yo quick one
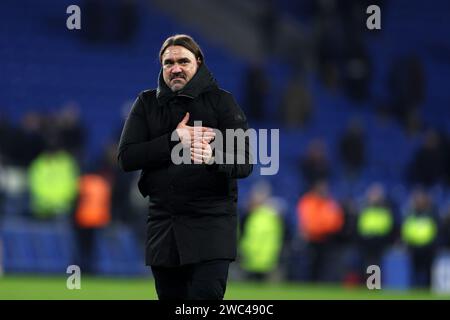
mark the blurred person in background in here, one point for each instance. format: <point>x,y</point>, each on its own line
<point>356,71</point>
<point>314,165</point>
<point>352,149</point>
<point>262,234</point>
<point>192,222</point>
<point>92,213</point>
<point>29,137</point>
<point>406,86</point>
<point>320,219</point>
<point>70,130</point>
<point>53,182</point>
<point>331,40</point>
<point>428,165</point>
<point>419,231</point>
<point>256,91</point>
<point>375,227</point>
<point>296,104</point>
<point>14,161</point>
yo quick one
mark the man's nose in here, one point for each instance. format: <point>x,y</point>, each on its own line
<point>176,69</point>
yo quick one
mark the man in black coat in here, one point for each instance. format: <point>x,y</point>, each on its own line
<point>192,221</point>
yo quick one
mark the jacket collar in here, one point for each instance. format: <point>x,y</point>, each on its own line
<point>201,82</point>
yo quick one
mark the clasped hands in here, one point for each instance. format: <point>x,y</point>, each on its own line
<point>197,139</point>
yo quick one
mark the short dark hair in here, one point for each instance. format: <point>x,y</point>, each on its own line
<point>182,40</point>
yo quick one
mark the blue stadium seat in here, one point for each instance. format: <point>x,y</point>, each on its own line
<point>396,270</point>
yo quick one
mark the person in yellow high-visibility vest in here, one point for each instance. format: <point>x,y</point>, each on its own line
<point>53,181</point>
<point>262,235</point>
<point>261,241</point>
<point>419,232</point>
<point>375,227</point>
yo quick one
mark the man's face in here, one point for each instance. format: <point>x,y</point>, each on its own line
<point>179,66</point>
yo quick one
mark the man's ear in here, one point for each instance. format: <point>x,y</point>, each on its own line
<point>199,62</point>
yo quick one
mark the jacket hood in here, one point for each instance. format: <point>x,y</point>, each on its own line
<point>202,81</point>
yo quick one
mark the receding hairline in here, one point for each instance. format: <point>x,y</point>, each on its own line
<point>184,41</point>
<point>175,45</point>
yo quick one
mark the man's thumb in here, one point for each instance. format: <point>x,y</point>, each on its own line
<point>185,119</point>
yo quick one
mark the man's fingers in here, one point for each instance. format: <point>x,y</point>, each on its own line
<point>209,135</point>
<point>200,129</point>
<point>197,151</point>
<point>200,151</point>
<point>197,159</point>
<point>198,144</point>
<point>202,140</point>
<point>196,156</point>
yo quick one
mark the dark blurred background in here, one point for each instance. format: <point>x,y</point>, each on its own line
<point>364,119</point>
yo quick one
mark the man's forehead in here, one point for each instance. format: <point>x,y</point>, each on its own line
<point>177,51</point>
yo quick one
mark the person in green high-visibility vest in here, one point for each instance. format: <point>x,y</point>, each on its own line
<point>262,236</point>
<point>375,227</point>
<point>53,182</point>
<point>419,232</point>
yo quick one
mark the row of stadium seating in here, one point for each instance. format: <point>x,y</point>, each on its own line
<point>50,247</point>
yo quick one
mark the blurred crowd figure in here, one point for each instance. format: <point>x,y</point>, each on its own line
<point>352,149</point>
<point>419,231</point>
<point>320,219</point>
<point>262,233</point>
<point>406,86</point>
<point>376,227</point>
<point>297,103</point>
<point>53,182</point>
<point>315,165</point>
<point>257,87</point>
<point>92,213</point>
<point>431,162</point>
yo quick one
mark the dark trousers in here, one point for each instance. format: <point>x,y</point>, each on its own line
<point>86,242</point>
<point>201,281</point>
<point>422,260</point>
<point>317,254</point>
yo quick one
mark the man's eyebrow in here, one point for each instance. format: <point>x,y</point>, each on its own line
<point>180,60</point>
